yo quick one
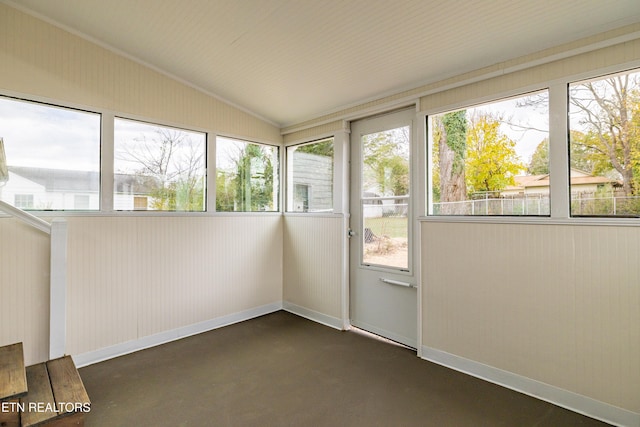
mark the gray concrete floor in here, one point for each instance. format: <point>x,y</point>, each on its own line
<point>283,370</point>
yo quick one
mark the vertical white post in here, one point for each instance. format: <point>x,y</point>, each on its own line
<point>212,171</point>
<point>420,192</point>
<point>106,163</point>
<point>58,289</point>
<point>341,206</point>
<point>288,172</point>
<point>341,169</point>
<point>558,152</point>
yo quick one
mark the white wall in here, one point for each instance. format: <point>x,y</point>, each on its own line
<point>131,278</point>
<point>24,288</point>
<point>314,267</point>
<point>559,304</point>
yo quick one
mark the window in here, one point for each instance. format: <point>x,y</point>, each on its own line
<point>81,201</point>
<point>310,177</point>
<point>23,201</point>
<point>164,166</point>
<point>491,159</point>
<point>52,154</point>
<point>300,198</point>
<point>604,146</point>
<point>247,177</point>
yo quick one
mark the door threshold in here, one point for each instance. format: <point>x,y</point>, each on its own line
<point>372,335</point>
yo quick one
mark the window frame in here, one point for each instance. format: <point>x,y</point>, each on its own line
<point>140,211</point>
<point>29,99</point>
<point>472,104</point>
<point>279,170</point>
<point>107,124</point>
<point>594,77</point>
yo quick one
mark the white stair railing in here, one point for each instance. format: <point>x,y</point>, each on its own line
<point>25,217</point>
<point>57,229</point>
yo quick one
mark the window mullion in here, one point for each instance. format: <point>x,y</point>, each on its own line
<point>558,151</point>
<point>211,172</point>
<point>106,162</point>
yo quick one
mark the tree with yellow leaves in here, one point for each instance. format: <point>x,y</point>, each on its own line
<point>491,159</point>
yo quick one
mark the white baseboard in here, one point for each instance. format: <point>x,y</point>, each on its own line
<point>560,397</point>
<point>324,319</point>
<point>110,352</point>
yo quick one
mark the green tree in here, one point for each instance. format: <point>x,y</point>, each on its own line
<point>584,157</point>
<point>539,163</point>
<point>249,186</point>
<point>386,158</point>
<point>451,137</point>
<point>321,148</point>
<point>492,161</point>
<point>225,191</point>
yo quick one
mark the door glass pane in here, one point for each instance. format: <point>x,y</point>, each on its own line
<point>385,198</point>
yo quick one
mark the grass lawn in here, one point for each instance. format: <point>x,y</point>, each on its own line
<point>391,226</point>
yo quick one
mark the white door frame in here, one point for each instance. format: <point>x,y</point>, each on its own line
<point>418,179</point>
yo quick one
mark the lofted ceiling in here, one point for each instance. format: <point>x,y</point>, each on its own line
<point>292,60</point>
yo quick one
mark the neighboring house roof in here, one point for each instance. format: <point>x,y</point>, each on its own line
<point>578,177</point>
<point>64,180</point>
<point>59,180</point>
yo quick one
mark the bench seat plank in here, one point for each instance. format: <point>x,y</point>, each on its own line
<point>39,405</point>
<point>13,380</point>
<point>67,385</point>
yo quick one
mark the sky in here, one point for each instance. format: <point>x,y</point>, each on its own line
<point>49,137</point>
<point>138,137</point>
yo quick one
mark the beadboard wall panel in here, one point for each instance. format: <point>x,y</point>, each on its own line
<point>133,277</point>
<point>557,304</point>
<point>578,58</point>
<point>313,263</point>
<point>43,60</point>
<point>24,288</point>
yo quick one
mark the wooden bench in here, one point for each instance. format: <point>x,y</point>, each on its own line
<point>56,395</point>
<point>46,394</point>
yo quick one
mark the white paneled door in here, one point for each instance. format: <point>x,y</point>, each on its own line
<point>383,294</point>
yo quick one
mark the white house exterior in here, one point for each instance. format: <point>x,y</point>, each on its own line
<point>45,189</point>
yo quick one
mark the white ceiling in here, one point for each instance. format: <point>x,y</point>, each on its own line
<point>291,60</point>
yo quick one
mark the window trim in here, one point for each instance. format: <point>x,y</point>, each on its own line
<point>619,71</point>
<point>425,117</point>
<point>32,99</point>
<point>214,175</point>
<point>111,165</point>
<point>107,124</point>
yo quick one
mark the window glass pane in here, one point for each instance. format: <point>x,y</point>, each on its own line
<point>604,146</point>
<point>247,177</point>
<point>491,159</point>
<point>310,177</point>
<point>49,156</point>
<point>386,162</point>
<point>158,168</point>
